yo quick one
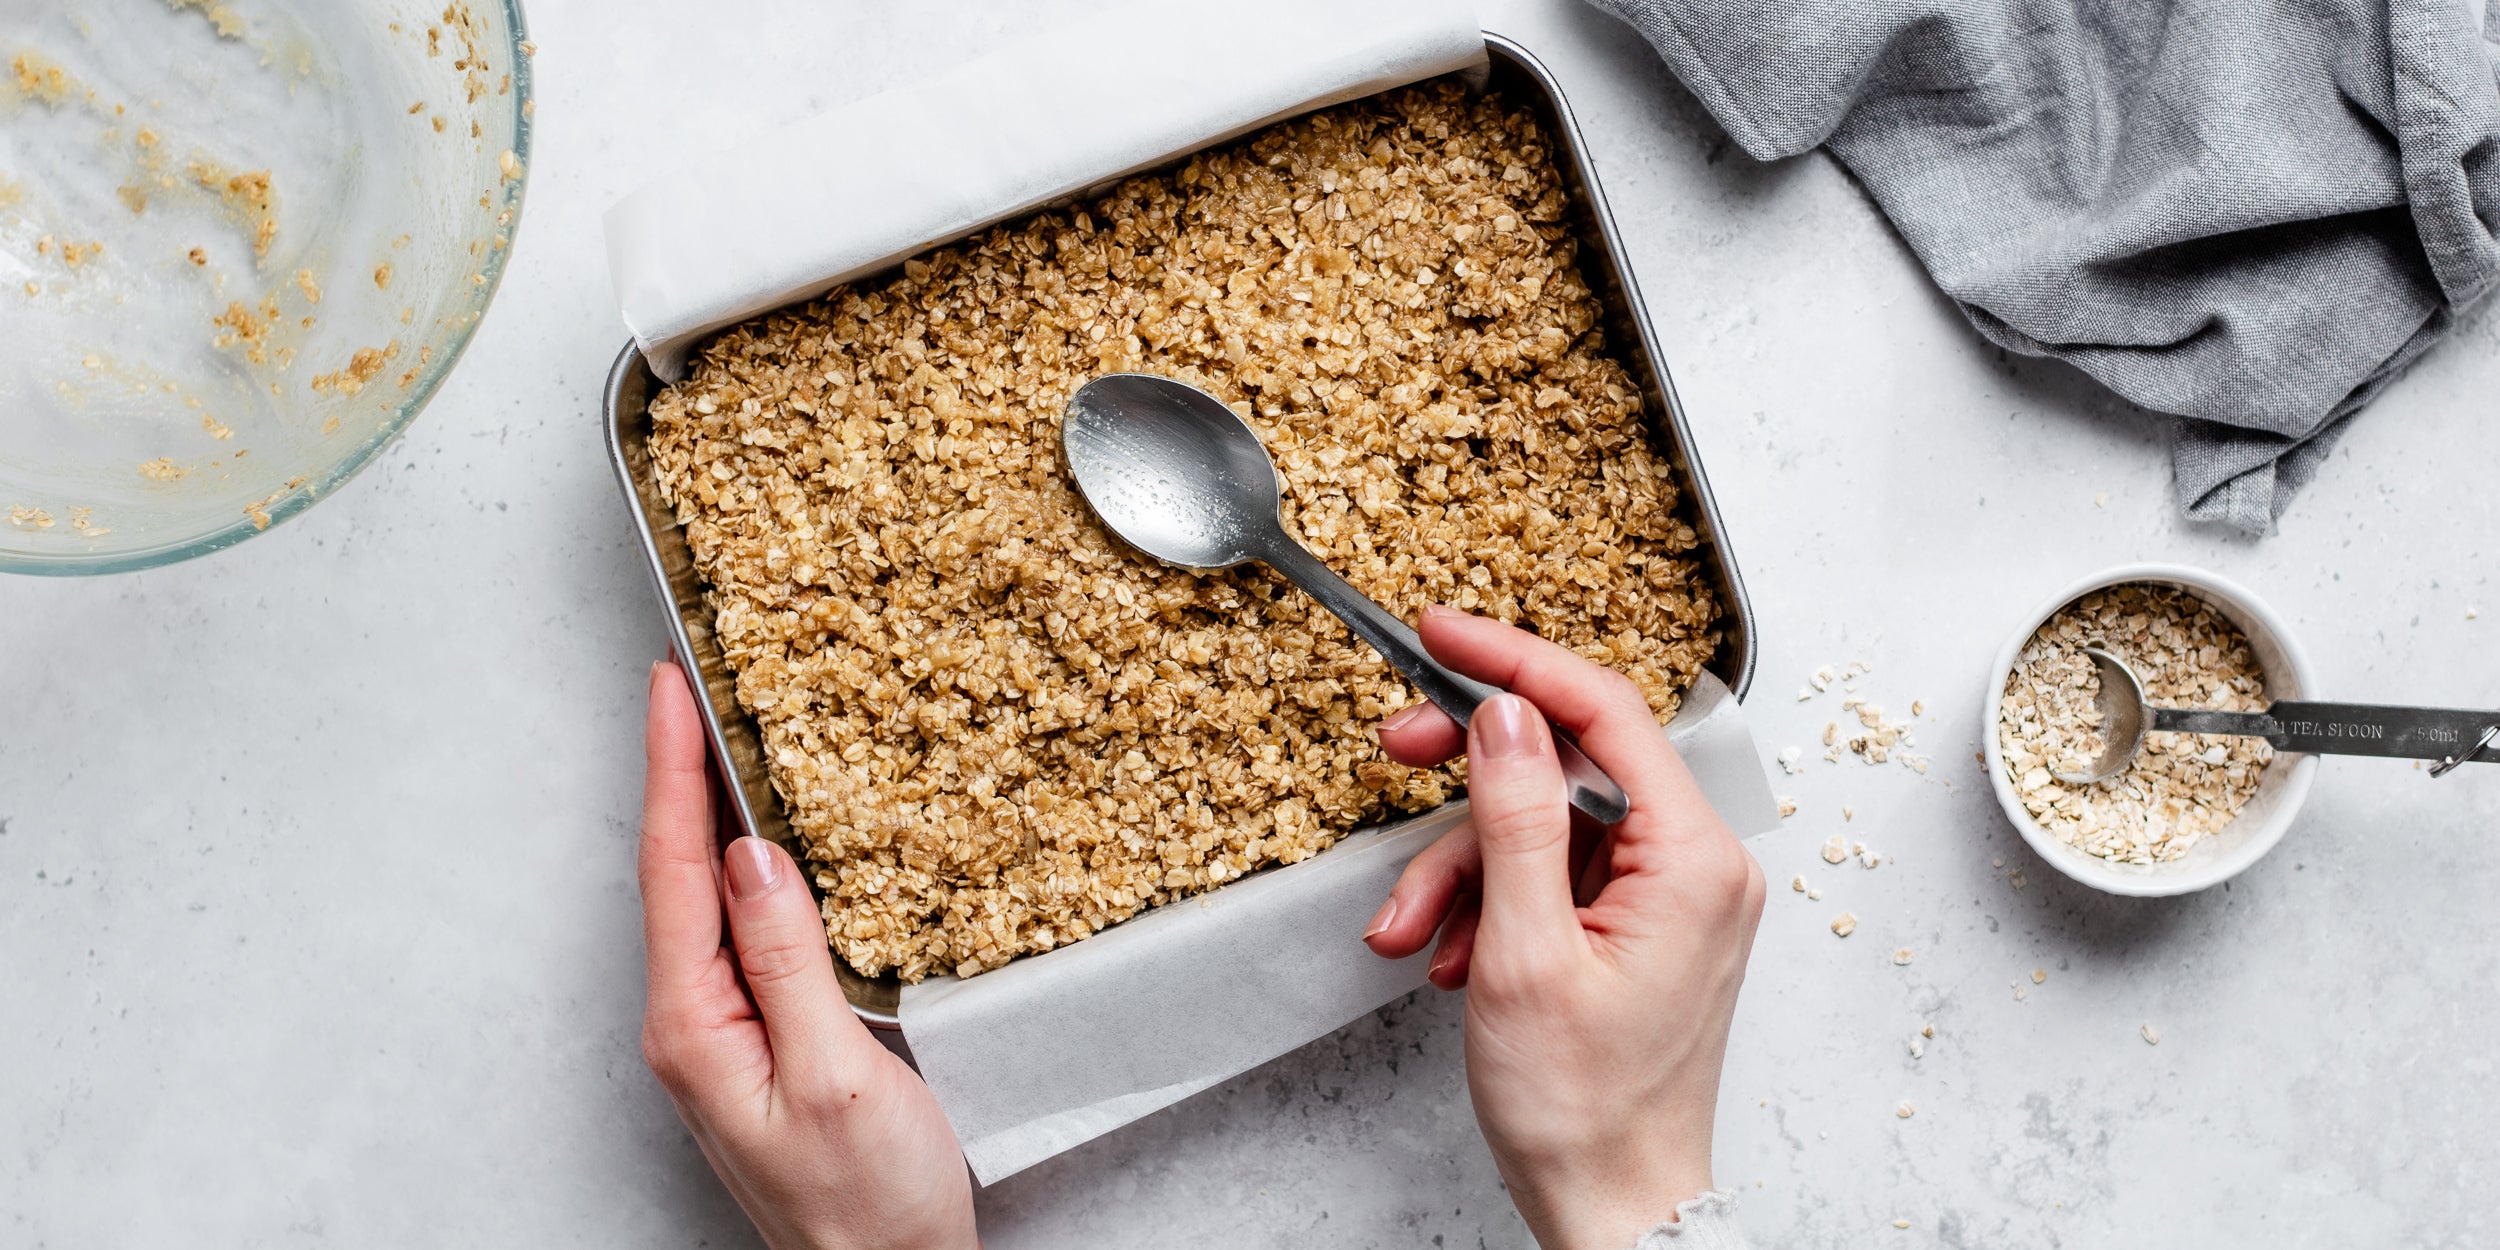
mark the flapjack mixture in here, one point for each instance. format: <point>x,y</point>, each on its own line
<point>994,727</point>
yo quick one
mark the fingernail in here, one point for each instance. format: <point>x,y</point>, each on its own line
<point>1403,718</point>
<point>1441,609</point>
<point>1440,960</point>
<point>752,868</point>
<point>1381,920</point>
<point>1507,728</point>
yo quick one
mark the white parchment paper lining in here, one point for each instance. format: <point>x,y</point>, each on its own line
<point>788,215</point>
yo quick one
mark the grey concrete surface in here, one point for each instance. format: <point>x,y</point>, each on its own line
<point>317,922</point>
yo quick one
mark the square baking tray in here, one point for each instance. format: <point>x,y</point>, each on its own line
<point>738,746</point>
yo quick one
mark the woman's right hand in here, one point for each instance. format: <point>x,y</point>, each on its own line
<point>1602,969</point>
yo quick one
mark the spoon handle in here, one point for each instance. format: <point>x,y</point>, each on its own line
<point>1592,791</point>
<point>2422,733</point>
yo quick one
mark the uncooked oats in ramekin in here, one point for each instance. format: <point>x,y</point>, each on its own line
<point>994,728</point>
<point>2183,787</point>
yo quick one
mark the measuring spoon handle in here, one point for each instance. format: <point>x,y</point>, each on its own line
<point>1592,791</point>
<point>2420,733</point>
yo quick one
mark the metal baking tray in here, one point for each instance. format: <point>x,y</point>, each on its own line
<point>736,742</point>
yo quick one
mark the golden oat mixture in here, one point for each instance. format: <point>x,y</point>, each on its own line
<point>996,729</point>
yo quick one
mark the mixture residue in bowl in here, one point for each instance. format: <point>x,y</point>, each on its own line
<point>2183,788</point>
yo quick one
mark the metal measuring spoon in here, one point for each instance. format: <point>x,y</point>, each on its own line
<point>1173,472</point>
<point>2450,735</point>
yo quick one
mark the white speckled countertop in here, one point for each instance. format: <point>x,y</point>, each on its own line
<point>316,889</point>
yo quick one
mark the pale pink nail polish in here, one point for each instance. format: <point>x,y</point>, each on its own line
<point>752,868</point>
<point>1381,921</point>
<point>1506,728</point>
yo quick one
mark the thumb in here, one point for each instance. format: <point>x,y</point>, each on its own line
<point>1523,825</point>
<point>780,940</point>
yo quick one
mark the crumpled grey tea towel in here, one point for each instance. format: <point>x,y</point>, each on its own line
<point>2249,213</point>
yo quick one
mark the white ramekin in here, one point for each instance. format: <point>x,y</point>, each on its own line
<point>2281,788</point>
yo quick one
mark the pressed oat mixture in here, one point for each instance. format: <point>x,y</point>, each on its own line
<point>2183,786</point>
<point>995,728</point>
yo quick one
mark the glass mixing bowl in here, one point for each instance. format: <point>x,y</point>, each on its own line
<point>242,242</point>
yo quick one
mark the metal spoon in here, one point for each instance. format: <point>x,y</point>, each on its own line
<point>2450,735</point>
<point>1173,472</point>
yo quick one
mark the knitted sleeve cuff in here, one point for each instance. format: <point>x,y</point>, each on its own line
<point>1704,1223</point>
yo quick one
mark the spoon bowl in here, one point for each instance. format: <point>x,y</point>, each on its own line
<point>1172,471</point>
<point>2120,702</point>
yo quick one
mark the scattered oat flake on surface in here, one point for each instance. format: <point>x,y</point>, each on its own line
<point>1805,693</point>
<point>1814,895</point>
<point>1848,813</point>
<point>1918,707</point>
<point>30,518</point>
<point>2471,613</point>
<point>1927,1029</point>
<point>1798,884</point>
<point>2021,991</point>
<point>1835,850</point>
<point>1789,757</point>
<point>1901,957</point>
<point>1901,1223</point>
<point>304,282</point>
<point>529,47</point>
<point>1788,807</point>
<point>162,469</point>
<point>2039,976</point>
<point>1844,924</point>
<point>1918,1048</point>
<point>510,164</point>
<point>1823,677</point>
<point>216,429</point>
<point>382,275</point>
<point>1905,1110</point>
<point>199,256</point>
<point>2152,1036</point>
<point>2101,500</point>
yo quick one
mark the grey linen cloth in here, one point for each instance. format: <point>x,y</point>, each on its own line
<point>2250,213</point>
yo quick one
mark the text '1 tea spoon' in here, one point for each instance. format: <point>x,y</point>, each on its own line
<point>2450,735</point>
<point>1178,476</point>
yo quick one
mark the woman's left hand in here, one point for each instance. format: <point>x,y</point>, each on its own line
<point>822,1135</point>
